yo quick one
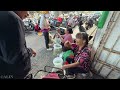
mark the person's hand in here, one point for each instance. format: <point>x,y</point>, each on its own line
<point>49,28</point>
<point>58,34</point>
<point>33,53</point>
<point>67,43</point>
<point>64,67</point>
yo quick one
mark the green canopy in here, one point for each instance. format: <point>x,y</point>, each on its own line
<point>102,19</point>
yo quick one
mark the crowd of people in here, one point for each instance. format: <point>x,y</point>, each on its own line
<point>15,56</point>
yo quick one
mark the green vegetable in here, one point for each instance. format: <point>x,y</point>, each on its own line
<point>67,54</point>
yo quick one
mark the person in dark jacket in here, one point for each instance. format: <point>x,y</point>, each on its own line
<point>80,23</point>
<point>14,55</point>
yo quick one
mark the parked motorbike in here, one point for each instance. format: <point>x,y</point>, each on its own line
<point>54,23</point>
<point>89,24</point>
<point>29,26</point>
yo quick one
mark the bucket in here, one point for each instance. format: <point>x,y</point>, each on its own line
<point>57,49</point>
<point>58,62</point>
<point>57,40</point>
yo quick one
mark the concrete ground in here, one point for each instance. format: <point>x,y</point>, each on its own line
<point>43,56</point>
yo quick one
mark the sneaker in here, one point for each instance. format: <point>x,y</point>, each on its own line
<point>49,49</point>
<point>50,45</point>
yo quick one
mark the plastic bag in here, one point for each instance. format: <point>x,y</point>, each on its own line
<point>67,54</point>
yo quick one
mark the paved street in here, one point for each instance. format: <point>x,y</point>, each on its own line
<point>43,56</point>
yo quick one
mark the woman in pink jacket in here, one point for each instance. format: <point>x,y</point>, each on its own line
<point>67,36</point>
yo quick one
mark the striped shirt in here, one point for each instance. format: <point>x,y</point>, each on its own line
<point>83,57</point>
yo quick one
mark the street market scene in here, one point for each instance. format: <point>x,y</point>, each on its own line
<point>60,45</point>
